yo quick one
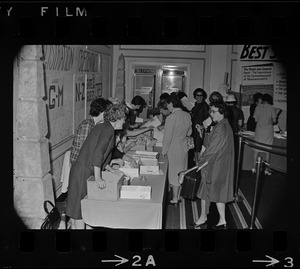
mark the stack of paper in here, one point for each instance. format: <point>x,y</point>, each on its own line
<point>153,122</point>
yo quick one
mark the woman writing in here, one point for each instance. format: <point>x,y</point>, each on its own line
<point>174,145</point>
<point>94,156</point>
<point>217,176</point>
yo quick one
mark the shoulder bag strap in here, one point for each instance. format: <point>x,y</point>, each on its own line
<point>45,205</point>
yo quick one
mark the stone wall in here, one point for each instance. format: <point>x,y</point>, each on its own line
<point>32,182</point>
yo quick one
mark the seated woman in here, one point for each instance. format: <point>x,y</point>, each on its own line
<point>119,155</point>
<point>164,113</point>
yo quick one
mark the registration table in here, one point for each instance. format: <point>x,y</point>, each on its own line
<point>130,213</point>
<point>277,162</point>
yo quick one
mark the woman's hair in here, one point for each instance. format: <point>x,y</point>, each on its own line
<point>174,100</point>
<point>98,106</point>
<point>115,112</point>
<point>217,95</point>
<point>181,94</point>
<point>138,101</point>
<point>267,98</point>
<point>202,91</point>
<point>164,96</point>
<point>257,96</point>
<point>162,104</point>
<point>222,106</point>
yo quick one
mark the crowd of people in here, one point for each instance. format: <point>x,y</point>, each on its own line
<point>100,141</point>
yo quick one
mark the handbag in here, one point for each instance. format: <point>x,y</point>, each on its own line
<point>190,141</point>
<point>190,185</point>
<point>190,181</point>
<point>53,217</point>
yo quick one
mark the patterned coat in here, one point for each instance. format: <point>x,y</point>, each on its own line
<point>177,127</point>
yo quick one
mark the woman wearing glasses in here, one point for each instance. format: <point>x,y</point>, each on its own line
<point>199,113</point>
<point>217,176</point>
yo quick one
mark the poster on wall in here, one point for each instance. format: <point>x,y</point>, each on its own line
<point>58,64</point>
<point>79,99</point>
<point>256,78</point>
<point>59,106</point>
<point>261,71</point>
<point>93,89</point>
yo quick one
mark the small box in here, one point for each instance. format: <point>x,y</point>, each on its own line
<point>146,154</point>
<point>136,192</point>
<point>112,190</point>
<point>131,172</point>
<point>149,166</point>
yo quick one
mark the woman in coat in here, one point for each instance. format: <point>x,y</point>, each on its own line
<point>217,176</point>
<point>174,145</point>
<point>94,156</point>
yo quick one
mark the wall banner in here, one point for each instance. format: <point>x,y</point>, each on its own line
<point>261,71</point>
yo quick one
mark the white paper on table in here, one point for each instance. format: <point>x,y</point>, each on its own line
<point>207,122</point>
<point>187,103</point>
<point>137,119</point>
<point>154,122</point>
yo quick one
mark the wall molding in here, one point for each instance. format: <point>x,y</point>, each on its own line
<point>163,48</point>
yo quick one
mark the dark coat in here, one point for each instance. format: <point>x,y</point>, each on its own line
<point>95,151</point>
<point>218,175</point>
<point>199,113</point>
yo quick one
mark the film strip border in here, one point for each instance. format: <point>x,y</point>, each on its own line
<point>145,247</point>
<point>152,23</point>
<point>165,22</point>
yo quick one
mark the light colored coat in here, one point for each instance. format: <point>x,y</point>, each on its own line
<point>177,127</point>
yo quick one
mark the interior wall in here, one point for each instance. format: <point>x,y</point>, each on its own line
<point>73,75</point>
<point>195,58</point>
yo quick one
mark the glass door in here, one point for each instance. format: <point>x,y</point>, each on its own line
<point>172,81</point>
<point>144,85</point>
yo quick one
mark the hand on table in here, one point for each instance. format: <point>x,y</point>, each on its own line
<point>100,183</point>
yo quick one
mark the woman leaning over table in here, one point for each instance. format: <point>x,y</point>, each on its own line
<point>217,176</point>
<point>178,126</point>
<point>94,156</point>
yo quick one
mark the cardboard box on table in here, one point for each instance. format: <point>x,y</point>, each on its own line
<point>137,155</point>
<point>112,190</point>
<point>136,192</point>
<point>131,172</point>
<point>149,166</point>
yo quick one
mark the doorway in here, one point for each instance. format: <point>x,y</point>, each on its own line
<point>151,81</point>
